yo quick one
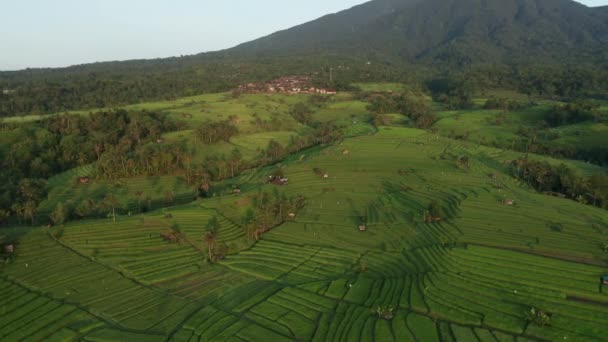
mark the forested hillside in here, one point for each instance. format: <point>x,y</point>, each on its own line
<point>525,44</point>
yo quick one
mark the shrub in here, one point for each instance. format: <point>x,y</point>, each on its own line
<point>383,311</point>
<point>538,317</point>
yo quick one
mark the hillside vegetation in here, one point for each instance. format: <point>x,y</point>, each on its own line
<point>554,47</point>
<point>337,219</point>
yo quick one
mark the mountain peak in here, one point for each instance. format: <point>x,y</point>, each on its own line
<point>462,31</point>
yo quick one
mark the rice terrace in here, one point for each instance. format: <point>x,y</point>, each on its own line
<point>316,193</point>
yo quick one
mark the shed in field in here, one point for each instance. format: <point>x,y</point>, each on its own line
<point>362,227</point>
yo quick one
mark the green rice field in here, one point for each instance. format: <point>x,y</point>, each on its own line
<point>470,276</point>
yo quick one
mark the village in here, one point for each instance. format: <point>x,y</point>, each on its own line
<point>285,85</point>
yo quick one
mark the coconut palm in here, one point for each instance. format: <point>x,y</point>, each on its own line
<point>210,238</point>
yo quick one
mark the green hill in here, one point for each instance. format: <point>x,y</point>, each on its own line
<point>447,31</point>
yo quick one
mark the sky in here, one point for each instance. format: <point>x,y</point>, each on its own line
<point>57,33</point>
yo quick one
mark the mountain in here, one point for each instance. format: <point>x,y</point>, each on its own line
<point>439,31</point>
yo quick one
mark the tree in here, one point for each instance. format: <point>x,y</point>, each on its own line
<point>235,161</point>
<point>140,195</point>
<point>110,202</point>
<point>301,113</point>
<point>209,238</point>
<point>34,190</point>
<point>4,215</point>
<point>30,209</point>
<point>436,210</point>
<point>275,150</point>
<point>248,221</point>
<point>213,225</point>
<point>169,197</point>
<point>463,161</point>
<point>60,214</point>
<point>85,208</point>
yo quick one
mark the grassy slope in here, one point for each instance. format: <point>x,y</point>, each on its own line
<point>318,276</point>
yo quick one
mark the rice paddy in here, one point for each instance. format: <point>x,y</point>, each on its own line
<point>470,276</point>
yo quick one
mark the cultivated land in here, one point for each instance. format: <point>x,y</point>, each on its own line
<point>470,276</point>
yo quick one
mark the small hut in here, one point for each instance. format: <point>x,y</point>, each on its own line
<point>236,191</point>
<point>278,180</point>
<point>362,227</point>
<point>204,189</point>
<point>292,215</point>
<point>508,202</point>
<point>84,180</point>
<point>604,279</point>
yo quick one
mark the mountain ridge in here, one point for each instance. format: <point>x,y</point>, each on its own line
<point>439,30</point>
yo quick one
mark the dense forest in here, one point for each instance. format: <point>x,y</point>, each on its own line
<point>562,181</point>
<point>105,86</point>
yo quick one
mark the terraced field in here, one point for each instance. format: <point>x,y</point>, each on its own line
<point>470,276</point>
<point>131,193</point>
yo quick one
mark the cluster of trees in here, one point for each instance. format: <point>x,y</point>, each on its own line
<point>505,104</point>
<point>268,211</point>
<point>213,132</point>
<point>548,80</point>
<point>453,92</point>
<point>110,206</point>
<point>215,251</point>
<point>563,181</point>
<point>302,113</point>
<point>220,167</point>
<point>151,159</point>
<point>59,143</point>
<point>538,317</point>
<point>574,112</point>
<point>415,107</point>
<point>28,195</point>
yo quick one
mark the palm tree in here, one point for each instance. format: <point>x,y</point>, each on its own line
<point>248,221</point>
<point>139,195</point>
<point>169,197</point>
<point>29,211</point>
<point>210,238</point>
<point>110,202</point>
<point>235,160</point>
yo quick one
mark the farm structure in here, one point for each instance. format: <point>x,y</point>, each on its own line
<point>278,180</point>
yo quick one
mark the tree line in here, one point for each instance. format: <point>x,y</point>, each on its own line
<point>413,106</point>
<point>103,85</point>
<point>562,181</point>
<point>59,143</point>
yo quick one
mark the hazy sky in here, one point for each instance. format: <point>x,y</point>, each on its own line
<point>51,33</point>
